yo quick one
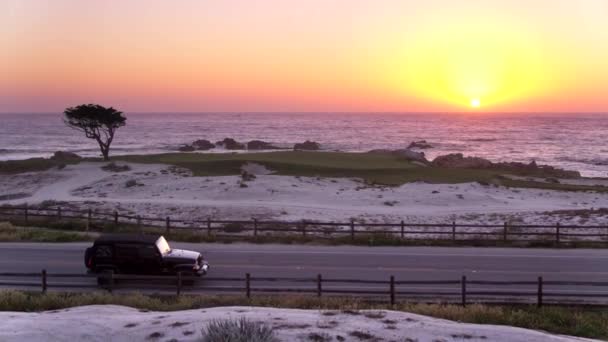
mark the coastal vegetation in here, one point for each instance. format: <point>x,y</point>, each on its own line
<point>571,320</point>
<point>374,168</point>
<point>96,122</point>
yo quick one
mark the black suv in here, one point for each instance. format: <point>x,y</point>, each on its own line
<point>141,254</point>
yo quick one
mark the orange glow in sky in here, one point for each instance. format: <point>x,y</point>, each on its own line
<point>305,55</point>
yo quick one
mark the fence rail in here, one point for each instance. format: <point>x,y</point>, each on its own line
<point>453,231</point>
<point>462,291</point>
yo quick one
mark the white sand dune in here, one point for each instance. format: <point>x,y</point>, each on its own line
<point>118,323</point>
<point>163,190</point>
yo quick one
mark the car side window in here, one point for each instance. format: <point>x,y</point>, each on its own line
<point>148,252</point>
<point>126,251</point>
<point>103,252</point>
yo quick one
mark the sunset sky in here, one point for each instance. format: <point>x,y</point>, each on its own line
<point>309,55</point>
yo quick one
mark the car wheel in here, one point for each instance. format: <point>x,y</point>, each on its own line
<point>103,277</point>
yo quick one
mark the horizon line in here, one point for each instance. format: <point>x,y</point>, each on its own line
<point>329,112</point>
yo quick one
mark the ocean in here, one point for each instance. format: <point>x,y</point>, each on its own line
<point>570,141</point>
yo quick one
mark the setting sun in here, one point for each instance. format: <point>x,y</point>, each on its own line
<point>475,103</point>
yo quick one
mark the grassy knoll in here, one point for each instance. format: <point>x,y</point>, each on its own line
<point>10,233</point>
<point>373,168</point>
<point>578,321</point>
<point>28,165</point>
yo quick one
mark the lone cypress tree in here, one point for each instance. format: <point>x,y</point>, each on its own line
<point>97,122</point>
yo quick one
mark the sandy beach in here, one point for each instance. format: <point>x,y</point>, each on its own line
<point>164,190</point>
<point>118,323</point>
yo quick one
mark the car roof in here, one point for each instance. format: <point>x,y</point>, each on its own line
<point>127,238</point>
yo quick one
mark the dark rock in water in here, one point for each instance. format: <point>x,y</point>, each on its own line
<point>230,144</point>
<point>65,156</point>
<point>420,144</point>
<point>457,160</point>
<point>203,145</point>
<point>307,146</point>
<point>261,145</point>
<point>186,148</point>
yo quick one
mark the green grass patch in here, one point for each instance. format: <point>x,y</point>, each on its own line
<point>10,233</point>
<point>579,321</point>
<point>28,165</point>
<point>382,169</point>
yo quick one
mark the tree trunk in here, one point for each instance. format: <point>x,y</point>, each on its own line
<point>105,150</point>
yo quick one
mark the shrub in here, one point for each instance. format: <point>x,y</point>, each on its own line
<point>241,330</point>
<point>233,228</point>
<point>113,167</point>
<point>131,183</point>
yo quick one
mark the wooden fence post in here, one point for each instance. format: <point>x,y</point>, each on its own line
<point>319,288</point>
<point>25,213</point>
<point>539,301</point>
<point>89,214</point>
<point>179,283</point>
<point>504,232</point>
<point>139,223</point>
<point>453,230</point>
<point>168,224</point>
<point>392,290</point>
<point>59,213</point>
<point>402,230</point>
<point>352,229</point>
<point>248,285</point>
<point>110,281</point>
<point>557,226</point>
<point>255,227</point>
<point>463,294</point>
<point>115,218</point>
<point>208,226</point>
<point>44,281</point>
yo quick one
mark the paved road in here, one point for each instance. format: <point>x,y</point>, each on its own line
<point>368,263</point>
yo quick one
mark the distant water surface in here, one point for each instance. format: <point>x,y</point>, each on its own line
<point>574,141</point>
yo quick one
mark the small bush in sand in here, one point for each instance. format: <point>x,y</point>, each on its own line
<point>241,330</point>
<point>130,183</point>
<point>246,176</point>
<point>113,167</point>
<point>319,337</point>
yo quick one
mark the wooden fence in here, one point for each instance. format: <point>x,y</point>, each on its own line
<point>556,233</point>
<point>461,291</point>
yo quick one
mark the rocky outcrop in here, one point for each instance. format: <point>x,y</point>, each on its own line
<point>307,146</point>
<point>203,145</point>
<point>261,145</point>
<point>411,155</point>
<point>457,160</point>
<point>404,153</point>
<point>230,144</point>
<point>186,148</point>
<point>420,144</point>
<point>65,156</point>
<point>534,169</point>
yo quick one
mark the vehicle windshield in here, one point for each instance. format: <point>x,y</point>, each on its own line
<point>163,245</point>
